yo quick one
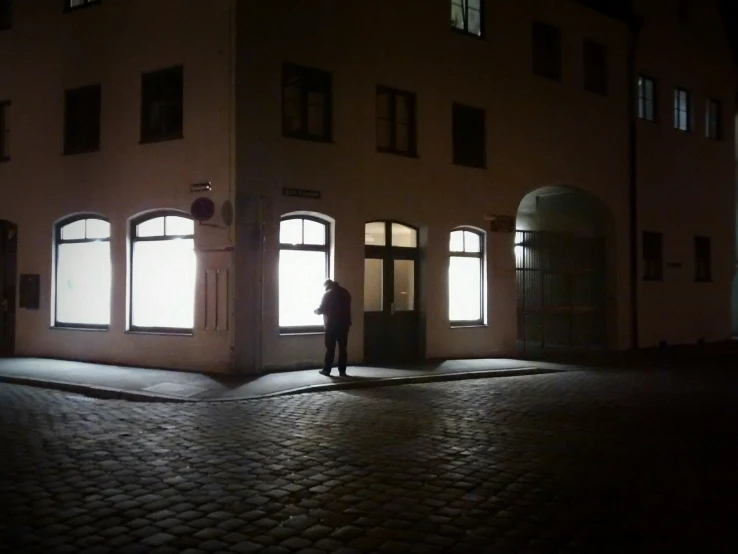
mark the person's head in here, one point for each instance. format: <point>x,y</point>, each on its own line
<point>329,284</point>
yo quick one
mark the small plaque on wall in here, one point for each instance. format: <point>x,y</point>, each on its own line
<point>30,291</point>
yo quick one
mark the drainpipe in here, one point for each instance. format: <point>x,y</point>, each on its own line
<point>635,25</point>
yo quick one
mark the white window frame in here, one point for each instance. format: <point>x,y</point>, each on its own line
<point>683,105</point>
<point>481,256</point>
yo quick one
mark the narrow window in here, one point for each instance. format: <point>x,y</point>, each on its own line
<point>82,273</point>
<point>306,103</point>
<point>82,120</point>
<point>469,136</point>
<point>702,259</point>
<point>161,105</point>
<point>395,121</point>
<point>646,98</point>
<point>546,51</point>
<point>595,67</point>
<point>304,265</point>
<point>682,109</point>
<point>74,4</point>
<point>653,256</point>
<point>4,131</point>
<point>163,272</point>
<point>467,16</point>
<point>6,15</point>
<point>466,277</point>
<point>713,123</point>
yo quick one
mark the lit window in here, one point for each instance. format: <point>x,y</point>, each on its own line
<point>304,260</point>
<point>466,16</point>
<point>163,272</point>
<point>682,109</point>
<point>82,291</point>
<point>466,277</point>
<point>646,98</point>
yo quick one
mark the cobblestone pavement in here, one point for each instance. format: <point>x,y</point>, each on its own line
<point>585,461</point>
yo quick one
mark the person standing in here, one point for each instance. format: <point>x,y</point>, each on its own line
<point>336,311</point>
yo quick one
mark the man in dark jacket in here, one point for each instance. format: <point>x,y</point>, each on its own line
<point>336,310</point>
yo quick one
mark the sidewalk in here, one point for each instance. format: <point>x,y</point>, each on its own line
<point>130,383</point>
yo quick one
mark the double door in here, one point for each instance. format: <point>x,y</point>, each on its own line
<point>8,253</point>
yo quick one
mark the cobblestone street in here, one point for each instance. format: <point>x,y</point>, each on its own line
<point>583,461</point>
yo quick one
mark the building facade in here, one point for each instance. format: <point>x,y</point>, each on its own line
<point>486,178</point>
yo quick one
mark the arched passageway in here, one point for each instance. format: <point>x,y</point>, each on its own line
<point>563,255</point>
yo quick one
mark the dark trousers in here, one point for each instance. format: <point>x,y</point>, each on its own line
<point>336,334</point>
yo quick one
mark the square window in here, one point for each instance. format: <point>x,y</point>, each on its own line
<point>595,67</point>
<point>702,259</point>
<point>395,121</point>
<point>682,109</point>
<point>546,51</point>
<point>646,98</point>
<point>653,256</point>
<point>469,140</point>
<point>162,105</point>
<point>82,120</point>
<point>306,103</point>
<point>467,16</point>
<point>4,131</point>
<point>6,15</point>
<point>713,123</point>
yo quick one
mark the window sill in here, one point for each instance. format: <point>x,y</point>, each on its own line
<point>460,164</point>
<point>162,332</point>
<point>152,140</point>
<point>465,33</point>
<point>300,331</point>
<point>467,325</point>
<point>411,155</point>
<point>66,327</point>
<point>308,138</point>
<point>649,121</point>
<point>81,151</point>
<point>68,9</point>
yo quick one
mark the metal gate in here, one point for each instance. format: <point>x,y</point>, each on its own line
<point>561,291</point>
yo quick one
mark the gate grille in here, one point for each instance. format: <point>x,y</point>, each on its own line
<point>561,291</point>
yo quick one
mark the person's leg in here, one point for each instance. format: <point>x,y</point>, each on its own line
<point>330,350</point>
<point>342,349</point>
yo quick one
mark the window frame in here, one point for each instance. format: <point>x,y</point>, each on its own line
<point>96,96</point>
<point>460,156</point>
<point>465,9</point>
<point>702,252</point>
<point>393,95</point>
<point>677,109</point>
<point>653,265</point>
<point>6,15</point>
<point>311,79</point>
<point>713,129</point>
<point>4,130</point>
<point>132,239</point>
<point>155,79</point>
<point>482,257</point>
<point>542,53</point>
<point>58,240</point>
<point>85,4</point>
<point>643,99</point>
<point>596,79</point>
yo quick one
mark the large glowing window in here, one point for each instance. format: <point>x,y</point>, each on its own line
<point>466,277</point>
<point>163,273</point>
<point>304,265</point>
<point>82,291</point>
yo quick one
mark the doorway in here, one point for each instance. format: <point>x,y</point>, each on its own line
<point>391,320</point>
<point>8,255</point>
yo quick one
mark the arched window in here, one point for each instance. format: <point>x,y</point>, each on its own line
<point>163,272</point>
<point>466,277</point>
<point>304,264</point>
<point>82,272</point>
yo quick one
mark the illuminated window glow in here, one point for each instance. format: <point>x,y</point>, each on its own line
<point>83,273</point>
<point>465,277</point>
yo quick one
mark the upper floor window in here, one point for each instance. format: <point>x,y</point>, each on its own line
<point>713,117</point>
<point>646,98</point>
<point>4,131</point>
<point>82,272</point>
<point>595,67</point>
<point>304,265</point>
<point>74,4</point>
<point>467,15</point>
<point>466,277</point>
<point>82,120</point>
<point>653,256</point>
<point>702,259</point>
<point>395,121</point>
<point>469,136</point>
<point>162,104</point>
<point>546,50</point>
<point>163,273</point>
<point>306,103</point>
<point>682,109</point>
<point>6,14</point>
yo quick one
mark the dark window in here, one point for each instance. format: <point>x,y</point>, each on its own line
<point>653,256</point>
<point>702,259</point>
<point>595,67</point>
<point>306,103</point>
<point>82,120</point>
<point>469,136</point>
<point>546,51</point>
<point>646,98</point>
<point>682,109</point>
<point>74,4</point>
<point>161,104</point>
<point>395,121</point>
<point>6,14</point>
<point>467,16</point>
<point>713,123</point>
<point>4,131</point>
